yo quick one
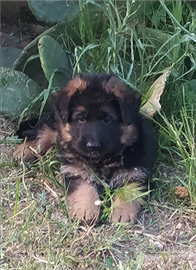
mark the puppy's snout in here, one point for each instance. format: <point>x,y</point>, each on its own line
<point>93,145</point>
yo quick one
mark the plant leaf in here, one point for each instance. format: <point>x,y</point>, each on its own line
<point>17,92</point>
<point>152,106</point>
<point>54,58</point>
<point>8,56</point>
<point>53,11</point>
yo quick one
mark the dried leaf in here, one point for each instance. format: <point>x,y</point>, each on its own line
<point>152,106</point>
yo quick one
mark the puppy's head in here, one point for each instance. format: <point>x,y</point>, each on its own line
<point>98,115</point>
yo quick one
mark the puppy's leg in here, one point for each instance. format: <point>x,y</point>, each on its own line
<point>82,203</point>
<point>133,184</point>
<point>46,139</point>
<point>23,151</point>
<point>124,210</point>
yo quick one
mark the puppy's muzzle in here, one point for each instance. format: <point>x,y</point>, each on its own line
<point>93,145</point>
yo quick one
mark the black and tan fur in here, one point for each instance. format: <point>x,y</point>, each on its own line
<point>100,134</point>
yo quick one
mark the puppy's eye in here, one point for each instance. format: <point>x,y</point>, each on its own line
<point>81,120</point>
<point>107,120</point>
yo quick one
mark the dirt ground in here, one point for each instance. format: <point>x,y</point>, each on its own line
<point>164,235</point>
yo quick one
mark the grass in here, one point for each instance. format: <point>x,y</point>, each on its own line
<point>138,41</point>
<point>181,132</point>
<point>41,236</point>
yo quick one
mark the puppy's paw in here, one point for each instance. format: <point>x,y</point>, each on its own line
<point>124,211</point>
<point>82,204</point>
<point>23,152</point>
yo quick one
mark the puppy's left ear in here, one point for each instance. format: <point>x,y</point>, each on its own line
<point>129,99</point>
<point>130,105</point>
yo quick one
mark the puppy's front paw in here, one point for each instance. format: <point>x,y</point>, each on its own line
<point>23,152</point>
<point>82,203</point>
<point>124,211</point>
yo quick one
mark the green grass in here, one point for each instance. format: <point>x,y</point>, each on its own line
<point>138,41</point>
<point>179,130</point>
<point>35,239</point>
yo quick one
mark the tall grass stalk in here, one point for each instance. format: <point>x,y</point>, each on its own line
<point>17,196</point>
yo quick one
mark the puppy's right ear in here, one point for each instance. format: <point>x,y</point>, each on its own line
<point>129,100</point>
<point>61,105</point>
<point>62,98</point>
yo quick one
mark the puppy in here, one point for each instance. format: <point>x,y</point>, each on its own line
<point>102,139</point>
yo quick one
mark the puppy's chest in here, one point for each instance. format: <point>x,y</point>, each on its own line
<point>106,169</point>
<point>102,174</point>
<point>98,173</point>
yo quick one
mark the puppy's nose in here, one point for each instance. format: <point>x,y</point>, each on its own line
<point>93,145</point>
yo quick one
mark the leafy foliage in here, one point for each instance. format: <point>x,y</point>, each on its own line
<point>59,64</point>
<point>53,11</point>
<point>17,92</point>
<point>8,56</point>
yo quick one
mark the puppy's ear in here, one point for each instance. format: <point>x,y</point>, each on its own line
<point>63,97</point>
<point>61,105</point>
<point>129,106</point>
<point>129,99</point>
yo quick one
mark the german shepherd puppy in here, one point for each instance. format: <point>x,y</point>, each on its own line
<point>96,125</point>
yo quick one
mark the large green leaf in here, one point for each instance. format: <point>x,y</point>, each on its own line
<point>54,60</point>
<point>63,32</point>
<point>53,11</point>
<point>31,50</point>
<point>9,55</point>
<point>17,92</point>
